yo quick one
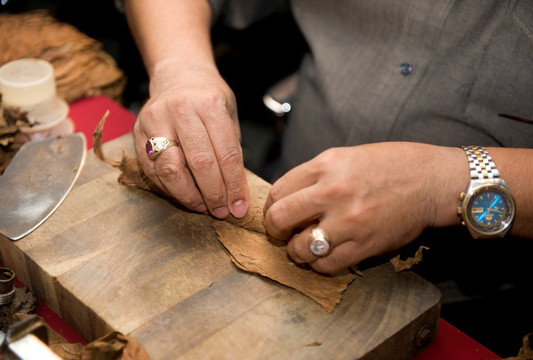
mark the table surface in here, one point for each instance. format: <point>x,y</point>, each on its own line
<point>451,343</point>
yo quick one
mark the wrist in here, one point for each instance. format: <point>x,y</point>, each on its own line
<point>452,178</point>
<point>168,73</point>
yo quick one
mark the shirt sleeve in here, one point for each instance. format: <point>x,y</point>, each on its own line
<point>241,13</point>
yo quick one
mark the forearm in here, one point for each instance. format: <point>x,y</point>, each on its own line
<point>172,34</point>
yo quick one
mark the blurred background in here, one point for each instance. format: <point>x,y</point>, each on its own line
<point>252,61</point>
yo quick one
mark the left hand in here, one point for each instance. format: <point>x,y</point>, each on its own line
<point>369,199</point>
<point>195,106</point>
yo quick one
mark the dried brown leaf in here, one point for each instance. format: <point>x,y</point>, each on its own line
<point>259,253</point>
<point>400,265</point>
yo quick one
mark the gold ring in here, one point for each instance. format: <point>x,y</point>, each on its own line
<point>319,242</point>
<point>156,145</point>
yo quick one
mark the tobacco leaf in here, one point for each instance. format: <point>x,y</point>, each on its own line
<point>24,302</point>
<point>253,220</point>
<point>526,351</point>
<point>112,346</point>
<point>131,173</point>
<point>259,253</point>
<point>11,138</point>
<point>400,265</point>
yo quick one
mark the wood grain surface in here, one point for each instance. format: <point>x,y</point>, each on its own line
<point>118,258</point>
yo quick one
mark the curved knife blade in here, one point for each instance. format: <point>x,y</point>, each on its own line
<point>37,181</point>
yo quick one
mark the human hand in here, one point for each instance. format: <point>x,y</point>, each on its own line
<point>198,109</point>
<point>369,199</point>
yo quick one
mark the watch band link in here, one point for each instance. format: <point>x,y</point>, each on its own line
<point>481,165</point>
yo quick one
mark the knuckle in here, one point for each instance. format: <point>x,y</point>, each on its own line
<point>201,161</point>
<point>275,192</point>
<point>231,157</point>
<point>326,158</point>
<point>331,190</point>
<point>274,215</point>
<point>218,105</point>
<point>235,187</point>
<point>294,253</point>
<point>323,267</point>
<point>152,111</point>
<point>326,265</point>
<point>272,218</point>
<point>176,103</point>
<point>168,172</point>
<point>213,100</point>
<point>274,221</point>
<point>189,200</point>
<point>215,198</point>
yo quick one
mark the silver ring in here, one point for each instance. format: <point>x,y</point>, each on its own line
<point>156,145</point>
<point>319,242</point>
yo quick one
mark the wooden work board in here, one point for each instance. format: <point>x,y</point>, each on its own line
<point>117,258</point>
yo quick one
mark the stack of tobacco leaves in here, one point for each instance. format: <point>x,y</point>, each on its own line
<point>81,67</point>
<point>11,139</point>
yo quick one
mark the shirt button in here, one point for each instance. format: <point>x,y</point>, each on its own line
<point>405,69</point>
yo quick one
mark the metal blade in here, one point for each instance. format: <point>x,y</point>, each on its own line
<point>37,180</point>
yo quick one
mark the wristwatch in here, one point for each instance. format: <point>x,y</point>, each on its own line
<point>487,207</point>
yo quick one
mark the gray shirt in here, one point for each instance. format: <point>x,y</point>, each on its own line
<point>442,72</point>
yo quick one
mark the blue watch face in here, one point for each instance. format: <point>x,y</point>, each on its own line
<point>489,209</point>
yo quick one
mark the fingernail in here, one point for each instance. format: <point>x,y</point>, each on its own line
<point>239,208</point>
<point>221,212</point>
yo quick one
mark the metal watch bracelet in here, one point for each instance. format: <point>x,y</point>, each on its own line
<point>482,166</point>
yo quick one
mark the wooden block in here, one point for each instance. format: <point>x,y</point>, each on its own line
<point>118,258</point>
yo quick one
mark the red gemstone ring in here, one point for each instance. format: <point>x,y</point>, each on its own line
<point>156,145</point>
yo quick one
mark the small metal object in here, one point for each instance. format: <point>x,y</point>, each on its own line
<point>319,242</point>
<point>4,2</point>
<point>405,69</point>
<point>279,97</point>
<point>7,286</point>
<point>279,109</point>
<point>27,339</point>
<point>156,145</point>
<point>423,337</point>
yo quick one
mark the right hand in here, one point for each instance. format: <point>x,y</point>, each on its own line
<point>197,108</point>
<point>370,199</point>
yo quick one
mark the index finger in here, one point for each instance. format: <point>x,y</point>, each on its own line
<point>291,203</point>
<point>295,179</point>
<point>292,213</point>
